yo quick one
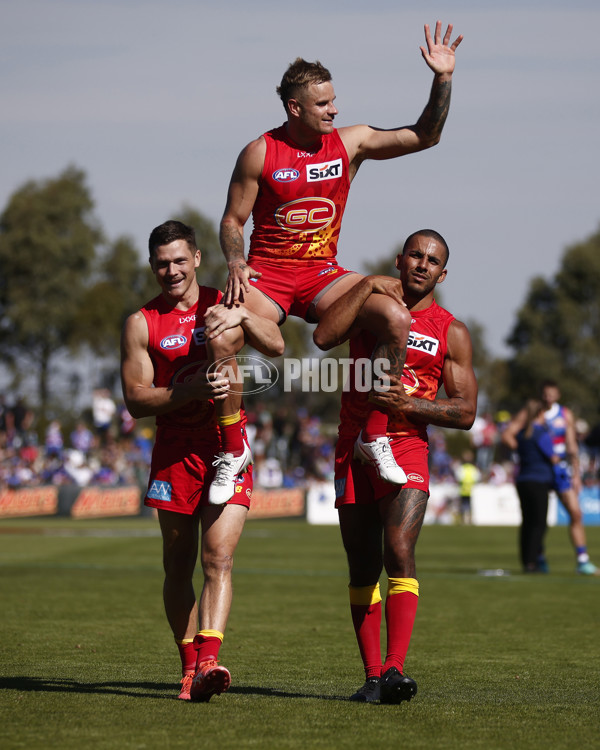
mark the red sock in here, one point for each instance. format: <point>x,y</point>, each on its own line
<point>400,612</point>
<point>365,607</point>
<point>187,654</point>
<point>367,626</point>
<point>207,646</point>
<point>231,434</point>
<point>375,426</point>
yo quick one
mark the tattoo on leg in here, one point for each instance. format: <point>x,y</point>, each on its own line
<point>403,518</point>
<point>411,505</point>
<point>393,354</point>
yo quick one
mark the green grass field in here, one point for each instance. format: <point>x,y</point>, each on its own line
<point>88,660</point>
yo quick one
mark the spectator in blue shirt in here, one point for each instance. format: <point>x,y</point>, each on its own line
<point>534,480</point>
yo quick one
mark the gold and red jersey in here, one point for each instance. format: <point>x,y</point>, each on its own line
<point>177,347</point>
<point>421,376</point>
<point>301,199</point>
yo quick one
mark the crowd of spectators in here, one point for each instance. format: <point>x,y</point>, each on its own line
<point>112,453</point>
<point>292,448</point>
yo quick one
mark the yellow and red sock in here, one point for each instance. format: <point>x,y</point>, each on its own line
<point>187,654</point>
<point>365,607</point>
<point>400,611</point>
<point>231,433</point>
<point>207,644</point>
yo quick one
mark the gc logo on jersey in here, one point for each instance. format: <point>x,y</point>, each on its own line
<point>328,170</point>
<point>187,372</point>
<point>306,215</point>
<point>286,175</point>
<point>423,343</point>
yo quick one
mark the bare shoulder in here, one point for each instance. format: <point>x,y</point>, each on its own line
<point>135,330</point>
<point>459,339</point>
<point>252,156</point>
<point>353,137</point>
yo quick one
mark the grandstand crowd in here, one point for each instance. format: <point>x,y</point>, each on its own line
<point>291,448</point>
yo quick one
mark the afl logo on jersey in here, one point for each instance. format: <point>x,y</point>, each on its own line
<point>286,175</point>
<point>173,342</point>
<point>306,215</point>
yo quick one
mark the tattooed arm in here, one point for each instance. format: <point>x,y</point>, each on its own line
<point>366,142</point>
<point>459,408</point>
<point>241,196</point>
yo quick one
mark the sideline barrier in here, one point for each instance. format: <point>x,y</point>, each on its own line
<point>491,505</point>
<point>320,499</point>
<point>277,504</point>
<point>113,502</point>
<point>71,500</point>
<point>100,502</point>
<point>30,501</point>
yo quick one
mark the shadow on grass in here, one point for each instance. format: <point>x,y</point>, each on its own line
<point>274,693</point>
<point>162,690</point>
<point>58,685</point>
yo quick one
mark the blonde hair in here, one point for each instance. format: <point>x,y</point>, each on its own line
<point>299,75</point>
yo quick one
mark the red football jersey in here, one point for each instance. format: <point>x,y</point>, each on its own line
<point>177,347</point>
<point>301,199</point>
<point>422,374</point>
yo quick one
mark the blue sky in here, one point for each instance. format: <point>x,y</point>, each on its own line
<point>154,100</point>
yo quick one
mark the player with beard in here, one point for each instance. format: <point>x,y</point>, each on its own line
<point>379,522</point>
<point>294,181</point>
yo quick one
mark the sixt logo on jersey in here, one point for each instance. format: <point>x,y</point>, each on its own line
<point>286,175</point>
<point>423,343</point>
<point>306,215</point>
<point>176,341</point>
<point>329,170</point>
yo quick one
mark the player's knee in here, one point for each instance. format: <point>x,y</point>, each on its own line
<point>575,513</point>
<point>216,564</point>
<point>397,319</point>
<point>226,344</point>
<point>400,560</point>
<point>320,341</point>
<point>179,565</point>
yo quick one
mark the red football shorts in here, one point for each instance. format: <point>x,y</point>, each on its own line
<point>358,483</point>
<point>296,285</point>
<point>182,470</point>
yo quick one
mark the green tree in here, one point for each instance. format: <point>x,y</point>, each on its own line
<point>557,332</point>
<point>48,240</point>
<point>123,283</point>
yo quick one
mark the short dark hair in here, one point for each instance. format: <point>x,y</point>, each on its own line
<point>170,231</point>
<point>433,235</point>
<point>549,383</point>
<point>300,74</point>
